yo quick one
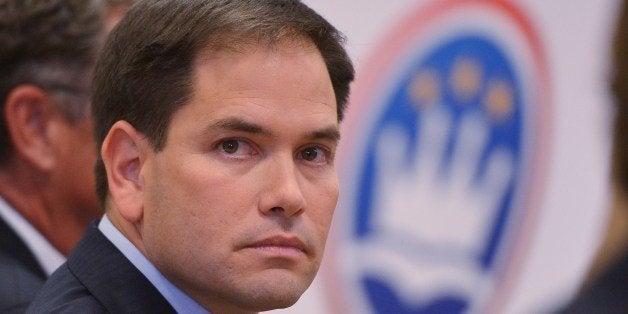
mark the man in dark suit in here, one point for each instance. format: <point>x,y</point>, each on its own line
<point>21,274</point>
<point>218,125</point>
<point>47,54</point>
<point>20,284</point>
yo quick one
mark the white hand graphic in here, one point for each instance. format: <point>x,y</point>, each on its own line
<point>440,207</point>
<point>431,220</point>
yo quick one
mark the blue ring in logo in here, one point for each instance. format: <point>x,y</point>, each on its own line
<point>448,154</point>
<point>467,80</point>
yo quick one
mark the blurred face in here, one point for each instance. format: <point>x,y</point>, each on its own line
<point>74,177</point>
<point>238,204</point>
<point>71,193</point>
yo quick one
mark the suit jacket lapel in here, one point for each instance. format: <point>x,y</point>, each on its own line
<point>112,279</point>
<point>12,245</point>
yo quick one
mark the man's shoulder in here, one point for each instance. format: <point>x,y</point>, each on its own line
<point>98,278</point>
<point>64,293</point>
<point>18,286</point>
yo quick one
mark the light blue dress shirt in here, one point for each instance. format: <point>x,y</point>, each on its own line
<point>180,301</point>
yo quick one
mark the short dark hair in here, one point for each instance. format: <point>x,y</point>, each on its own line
<point>51,44</point>
<point>145,72</point>
<point>620,93</point>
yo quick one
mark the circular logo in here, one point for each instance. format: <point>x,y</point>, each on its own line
<point>440,163</point>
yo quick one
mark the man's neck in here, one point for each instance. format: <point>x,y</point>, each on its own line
<point>25,192</point>
<point>180,301</point>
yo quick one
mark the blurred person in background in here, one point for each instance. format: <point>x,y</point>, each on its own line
<point>47,152</point>
<point>606,288</point>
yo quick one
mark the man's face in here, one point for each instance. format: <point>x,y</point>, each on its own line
<point>237,206</point>
<point>74,177</point>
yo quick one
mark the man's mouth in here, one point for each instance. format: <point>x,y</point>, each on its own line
<point>280,245</point>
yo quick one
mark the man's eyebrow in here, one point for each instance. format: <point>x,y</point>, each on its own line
<point>330,133</point>
<point>237,124</point>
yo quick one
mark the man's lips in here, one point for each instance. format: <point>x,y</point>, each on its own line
<point>279,244</point>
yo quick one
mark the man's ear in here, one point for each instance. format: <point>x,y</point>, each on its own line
<point>122,154</point>
<point>29,113</point>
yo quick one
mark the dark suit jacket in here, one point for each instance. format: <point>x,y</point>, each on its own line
<point>97,278</point>
<point>21,276</point>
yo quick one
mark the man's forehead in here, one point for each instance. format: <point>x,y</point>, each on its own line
<point>227,45</point>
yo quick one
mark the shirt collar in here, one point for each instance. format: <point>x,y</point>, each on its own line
<point>180,301</point>
<point>46,255</point>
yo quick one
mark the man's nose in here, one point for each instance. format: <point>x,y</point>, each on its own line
<point>282,191</point>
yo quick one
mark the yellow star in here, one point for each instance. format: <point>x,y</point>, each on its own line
<point>499,100</point>
<point>465,78</point>
<point>425,88</point>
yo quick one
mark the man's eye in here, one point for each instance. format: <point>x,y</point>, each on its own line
<point>314,154</point>
<point>230,146</point>
<point>309,153</point>
<point>236,148</point>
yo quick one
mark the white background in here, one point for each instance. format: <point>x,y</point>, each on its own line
<point>576,37</point>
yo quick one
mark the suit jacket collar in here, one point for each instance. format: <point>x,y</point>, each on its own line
<point>12,245</point>
<point>112,279</point>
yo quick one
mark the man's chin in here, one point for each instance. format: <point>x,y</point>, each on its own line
<point>272,303</point>
<point>283,291</point>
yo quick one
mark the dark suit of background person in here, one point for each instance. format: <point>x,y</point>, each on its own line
<point>23,285</point>
<point>47,53</point>
<point>606,288</point>
<point>21,276</point>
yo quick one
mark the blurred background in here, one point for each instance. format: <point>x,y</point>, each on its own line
<point>474,162</point>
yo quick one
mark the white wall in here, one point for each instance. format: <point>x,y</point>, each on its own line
<point>556,233</point>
